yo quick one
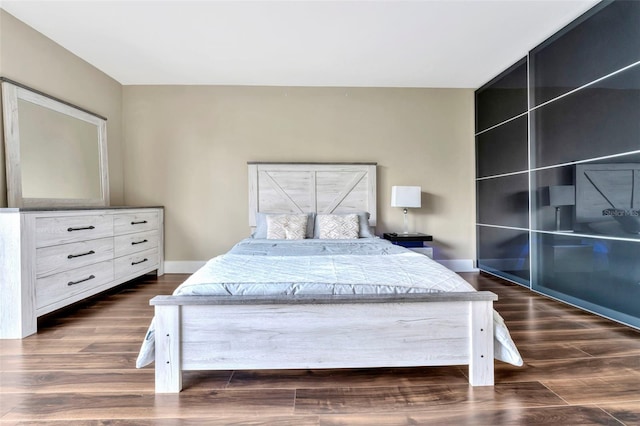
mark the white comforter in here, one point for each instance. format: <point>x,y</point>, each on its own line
<point>326,267</point>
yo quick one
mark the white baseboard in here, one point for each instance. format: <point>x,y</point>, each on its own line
<point>458,265</point>
<point>190,266</point>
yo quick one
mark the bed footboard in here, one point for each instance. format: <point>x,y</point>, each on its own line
<point>308,332</point>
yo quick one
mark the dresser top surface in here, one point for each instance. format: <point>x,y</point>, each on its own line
<point>61,209</point>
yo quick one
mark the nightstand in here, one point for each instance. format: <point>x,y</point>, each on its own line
<point>412,241</point>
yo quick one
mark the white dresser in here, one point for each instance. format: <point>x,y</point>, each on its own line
<point>52,258</point>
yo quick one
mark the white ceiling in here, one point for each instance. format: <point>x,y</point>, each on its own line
<point>437,43</point>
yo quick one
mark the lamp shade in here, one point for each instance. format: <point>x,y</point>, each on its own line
<point>562,195</point>
<point>406,196</point>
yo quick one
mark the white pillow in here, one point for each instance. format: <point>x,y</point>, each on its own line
<point>363,219</point>
<point>261,224</point>
<point>287,226</point>
<point>338,227</point>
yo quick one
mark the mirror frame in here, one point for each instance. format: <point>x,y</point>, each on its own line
<point>11,93</point>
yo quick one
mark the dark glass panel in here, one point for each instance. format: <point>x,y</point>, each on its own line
<point>553,192</point>
<point>596,121</point>
<point>608,199</point>
<point>602,41</point>
<point>502,98</point>
<point>503,149</point>
<point>600,275</point>
<point>504,252</point>
<point>504,201</point>
<point>596,198</point>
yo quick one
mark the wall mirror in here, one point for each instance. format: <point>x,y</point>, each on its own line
<point>56,153</point>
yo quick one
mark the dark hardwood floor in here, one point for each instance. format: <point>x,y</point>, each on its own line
<point>579,369</point>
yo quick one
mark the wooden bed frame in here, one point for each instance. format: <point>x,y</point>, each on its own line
<point>307,332</point>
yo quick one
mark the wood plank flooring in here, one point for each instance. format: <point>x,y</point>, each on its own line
<point>579,369</point>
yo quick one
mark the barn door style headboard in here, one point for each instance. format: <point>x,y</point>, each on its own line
<point>321,188</point>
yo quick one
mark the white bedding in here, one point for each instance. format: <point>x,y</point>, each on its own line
<point>326,267</point>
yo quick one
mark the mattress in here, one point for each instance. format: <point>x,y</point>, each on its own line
<point>320,267</point>
<point>366,266</point>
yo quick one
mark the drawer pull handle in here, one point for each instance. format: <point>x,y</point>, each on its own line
<point>133,243</point>
<point>82,228</point>
<point>90,277</point>
<point>140,222</point>
<point>72,256</point>
<point>137,263</point>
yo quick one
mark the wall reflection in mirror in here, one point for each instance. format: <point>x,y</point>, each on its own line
<point>59,154</point>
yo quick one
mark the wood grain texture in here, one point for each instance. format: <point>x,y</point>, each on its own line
<point>343,378</point>
<point>64,257</point>
<point>53,229</point>
<point>18,302</point>
<point>481,356</point>
<point>424,398</point>
<point>570,415</point>
<point>79,370</point>
<point>133,243</point>
<point>136,221</point>
<point>168,352</point>
<point>604,389</point>
<point>55,289</point>
<point>627,411</point>
<point>130,266</point>
<point>11,126</point>
<point>233,333</point>
<point>50,259</point>
<point>312,187</point>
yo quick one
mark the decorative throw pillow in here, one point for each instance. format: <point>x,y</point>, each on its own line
<point>338,227</point>
<point>261,224</point>
<point>363,219</point>
<point>287,226</point>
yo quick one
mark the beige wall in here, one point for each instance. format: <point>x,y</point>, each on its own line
<point>30,58</point>
<point>186,147</point>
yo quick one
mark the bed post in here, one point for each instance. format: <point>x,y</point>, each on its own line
<point>168,362</point>
<point>481,350</point>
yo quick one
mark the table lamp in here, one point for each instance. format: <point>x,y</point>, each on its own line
<point>406,197</point>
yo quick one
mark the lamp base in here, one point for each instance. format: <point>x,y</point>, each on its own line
<point>406,221</point>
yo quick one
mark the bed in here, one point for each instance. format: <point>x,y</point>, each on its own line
<point>334,297</point>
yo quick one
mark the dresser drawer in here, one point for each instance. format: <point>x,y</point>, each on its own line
<point>65,285</point>
<point>135,222</point>
<point>136,263</point>
<point>67,229</point>
<point>133,243</point>
<point>64,257</point>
